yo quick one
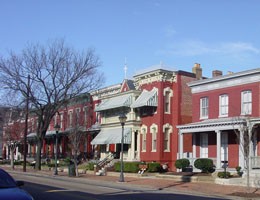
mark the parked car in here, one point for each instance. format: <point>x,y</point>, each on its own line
<point>10,189</point>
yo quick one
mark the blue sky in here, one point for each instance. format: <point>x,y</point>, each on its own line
<point>218,34</point>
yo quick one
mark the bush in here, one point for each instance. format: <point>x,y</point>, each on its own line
<point>182,163</point>
<point>238,169</point>
<point>18,162</point>
<point>90,166</point>
<point>204,164</point>
<point>131,167</point>
<point>154,167</point>
<point>224,174</point>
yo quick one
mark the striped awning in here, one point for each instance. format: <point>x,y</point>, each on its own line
<point>112,136</point>
<point>48,134</point>
<point>147,98</point>
<point>115,102</point>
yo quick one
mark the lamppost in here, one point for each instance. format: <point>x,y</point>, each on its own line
<point>122,119</point>
<point>57,128</point>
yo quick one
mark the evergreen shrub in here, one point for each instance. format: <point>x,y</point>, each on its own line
<point>182,163</point>
<point>204,164</point>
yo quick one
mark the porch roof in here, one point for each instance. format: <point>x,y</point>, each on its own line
<point>48,134</point>
<point>115,102</point>
<point>213,125</point>
<point>147,98</point>
<point>112,136</point>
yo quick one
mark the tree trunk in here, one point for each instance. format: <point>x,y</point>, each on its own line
<point>75,164</point>
<point>12,158</point>
<point>247,175</point>
<point>38,155</point>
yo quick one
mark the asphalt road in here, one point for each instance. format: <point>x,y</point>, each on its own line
<point>54,188</point>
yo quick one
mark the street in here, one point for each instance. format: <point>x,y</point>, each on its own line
<point>57,188</point>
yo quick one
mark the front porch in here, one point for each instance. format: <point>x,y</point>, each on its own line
<point>223,140</point>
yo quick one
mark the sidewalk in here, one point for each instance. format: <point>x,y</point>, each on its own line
<point>157,183</point>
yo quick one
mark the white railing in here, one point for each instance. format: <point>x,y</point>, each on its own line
<point>255,162</point>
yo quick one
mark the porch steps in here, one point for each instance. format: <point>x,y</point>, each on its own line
<point>101,172</point>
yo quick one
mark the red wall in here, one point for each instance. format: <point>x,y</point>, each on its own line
<point>234,94</point>
<point>180,114</point>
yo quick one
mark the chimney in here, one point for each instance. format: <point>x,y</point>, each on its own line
<point>197,70</point>
<point>216,73</point>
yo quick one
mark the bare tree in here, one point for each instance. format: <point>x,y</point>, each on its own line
<point>56,74</point>
<point>13,132</point>
<point>76,137</point>
<point>245,134</point>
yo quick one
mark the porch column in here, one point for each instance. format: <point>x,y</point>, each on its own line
<point>218,132</point>
<point>180,145</point>
<point>132,148</point>
<point>29,150</point>
<point>250,148</point>
<point>194,146</point>
<point>241,149</point>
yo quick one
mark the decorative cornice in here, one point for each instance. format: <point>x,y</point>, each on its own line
<point>230,80</point>
<point>159,75</point>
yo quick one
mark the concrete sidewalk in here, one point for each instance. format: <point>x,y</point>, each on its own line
<point>157,183</point>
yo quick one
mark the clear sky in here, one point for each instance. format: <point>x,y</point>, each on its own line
<point>218,34</point>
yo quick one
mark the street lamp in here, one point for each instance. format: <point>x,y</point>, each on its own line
<point>122,119</point>
<point>57,128</point>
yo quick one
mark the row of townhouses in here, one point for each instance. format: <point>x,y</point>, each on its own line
<point>170,115</point>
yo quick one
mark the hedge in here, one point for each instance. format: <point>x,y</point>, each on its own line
<point>204,164</point>
<point>182,163</point>
<point>154,167</point>
<point>131,167</point>
<point>222,174</point>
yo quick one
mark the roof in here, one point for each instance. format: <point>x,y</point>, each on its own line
<point>147,98</point>
<point>229,123</point>
<point>112,136</point>
<point>115,102</point>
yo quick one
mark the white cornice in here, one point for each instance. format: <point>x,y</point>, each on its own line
<point>230,80</point>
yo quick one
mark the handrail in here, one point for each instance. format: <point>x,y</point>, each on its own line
<point>106,160</point>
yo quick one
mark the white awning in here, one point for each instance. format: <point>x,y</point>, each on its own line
<point>112,136</point>
<point>115,102</point>
<point>147,98</point>
<point>48,134</point>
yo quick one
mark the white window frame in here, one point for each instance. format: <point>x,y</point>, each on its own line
<point>204,108</point>
<point>224,146</point>
<point>167,93</point>
<point>204,145</point>
<point>167,130</point>
<point>223,105</point>
<point>70,116</point>
<point>153,131</point>
<point>246,102</point>
<point>144,139</point>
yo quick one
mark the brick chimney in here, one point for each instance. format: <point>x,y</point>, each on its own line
<point>216,73</point>
<point>197,70</point>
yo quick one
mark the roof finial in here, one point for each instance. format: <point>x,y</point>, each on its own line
<point>125,69</point>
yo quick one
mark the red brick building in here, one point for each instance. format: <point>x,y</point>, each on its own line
<point>155,101</point>
<point>223,108</point>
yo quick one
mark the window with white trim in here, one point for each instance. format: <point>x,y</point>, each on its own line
<point>86,115</point>
<point>70,116</point>
<point>153,131</point>
<point>144,132</point>
<point>246,102</point>
<point>167,92</point>
<point>167,130</point>
<point>61,120</point>
<point>204,103</point>
<point>223,105</point>
<point>77,120</point>
<point>204,145</point>
<point>224,146</point>
<point>166,139</point>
